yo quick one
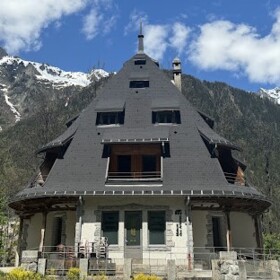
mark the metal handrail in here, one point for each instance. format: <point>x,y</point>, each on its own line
<point>134,175</point>
<point>232,178</point>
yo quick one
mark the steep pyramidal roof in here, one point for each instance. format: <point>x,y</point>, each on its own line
<point>189,169</point>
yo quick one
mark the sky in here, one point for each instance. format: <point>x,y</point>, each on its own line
<point>236,42</point>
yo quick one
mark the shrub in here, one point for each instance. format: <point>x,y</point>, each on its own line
<point>143,276</point>
<point>73,273</point>
<point>21,274</point>
<point>101,276</point>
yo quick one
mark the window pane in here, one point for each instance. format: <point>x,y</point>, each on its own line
<point>139,84</point>
<point>140,62</point>
<point>110,226</point>
<point>166,117</point>
<point>156,226</point>
<point>107,118</point>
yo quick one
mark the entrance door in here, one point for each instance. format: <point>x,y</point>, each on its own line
<point>217,235</point>
<point>133,229</point>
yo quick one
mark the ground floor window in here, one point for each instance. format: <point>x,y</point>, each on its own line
<point>156,227</point>
<point>110,226</point>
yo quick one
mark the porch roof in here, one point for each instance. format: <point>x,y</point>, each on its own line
<point>232,200</point>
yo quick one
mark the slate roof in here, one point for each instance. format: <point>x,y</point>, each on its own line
<point>190,169</point>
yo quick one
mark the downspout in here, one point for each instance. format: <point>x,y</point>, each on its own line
<point>258,231</point>
<point>189,257</point>
<point>228,236</point>
<point>19,249</point>
<point>43,230</point>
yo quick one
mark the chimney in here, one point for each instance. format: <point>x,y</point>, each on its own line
<point>177,73</point>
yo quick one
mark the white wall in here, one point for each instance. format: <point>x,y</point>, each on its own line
<point>242,230</point>
<point>199,222</point>
<point>34,231</point>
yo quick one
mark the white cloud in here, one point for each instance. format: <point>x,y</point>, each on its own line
<point>179,38</point>
<point>159,37</point>
<point>100,19</point>
<point>91,24</point>
<point>21,22</point>
<point>156,40</point>
<point>240,49</point>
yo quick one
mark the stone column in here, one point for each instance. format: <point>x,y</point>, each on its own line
<point>79,222</point>
<point>127,269</point>
<point>171,270</point>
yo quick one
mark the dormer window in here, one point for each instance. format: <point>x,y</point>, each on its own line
<point>110,118</point>
<point>166,117</point>
<point>140,61</point>
<point>139,84</point>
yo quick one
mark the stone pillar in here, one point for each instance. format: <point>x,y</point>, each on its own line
<point>171,270</point>
<point>274,266</point>
<point>242,270</point>
<point>226,267</point>
<point>83,266</point>
<point>127,269</point>
<point>79,222</point>
<point>42,266</point>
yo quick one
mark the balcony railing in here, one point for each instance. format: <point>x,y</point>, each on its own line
<point>38,180</point>
<point>232,178</point>
<point>134,176</point>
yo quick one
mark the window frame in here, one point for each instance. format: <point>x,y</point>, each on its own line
<point>163,233</point>
<point>139,84</point>
<point>103,118</point>
<point>158,115</point>
<point>116,237</point>
<point>137,172</point>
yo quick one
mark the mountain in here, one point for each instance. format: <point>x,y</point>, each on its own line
<point>23,82</point>
<point>271,94</point>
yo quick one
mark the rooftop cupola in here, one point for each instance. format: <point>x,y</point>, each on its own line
<point>177,72</point>
<point>140,40</point>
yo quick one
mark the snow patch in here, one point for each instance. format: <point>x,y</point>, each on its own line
<point>10,104</point>
<point>272,94</point>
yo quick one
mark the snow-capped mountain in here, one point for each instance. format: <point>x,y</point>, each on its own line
<point>272,94</point>
<point>23,81</point>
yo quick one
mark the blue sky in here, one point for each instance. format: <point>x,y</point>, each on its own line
<point>237,42</point>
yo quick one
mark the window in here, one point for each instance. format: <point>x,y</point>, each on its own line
<point>107,118</point>
<point>110,226</point>
<point>156,227</point>
<point>137,162</point>
<point>166,116</point>
<point>139,84</point>
<point>140,62</point>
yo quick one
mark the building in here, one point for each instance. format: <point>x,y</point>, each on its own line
<point>140,174</point>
